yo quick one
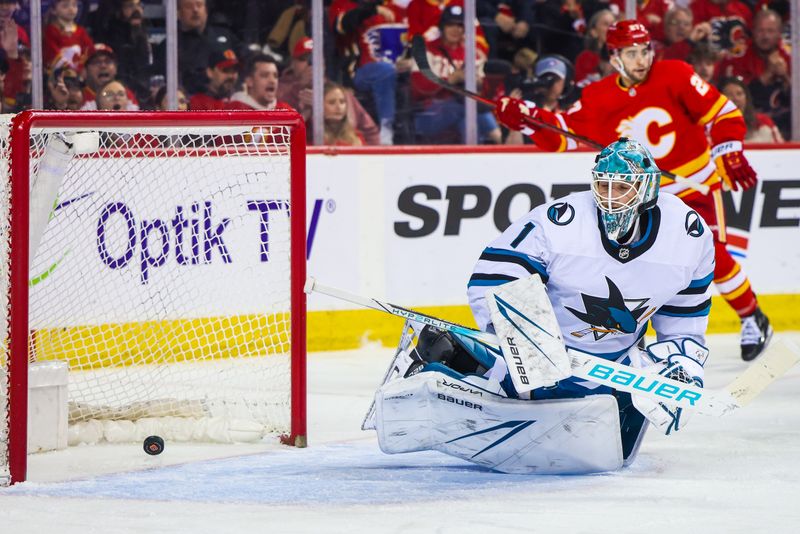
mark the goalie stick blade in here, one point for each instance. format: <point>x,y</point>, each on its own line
<point>780,356</point>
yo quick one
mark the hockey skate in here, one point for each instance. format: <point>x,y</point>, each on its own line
<point>756,334</point>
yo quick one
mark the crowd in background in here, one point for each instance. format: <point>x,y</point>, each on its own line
<point>252,54</point>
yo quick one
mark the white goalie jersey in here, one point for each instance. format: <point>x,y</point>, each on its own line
<point>603,293</point>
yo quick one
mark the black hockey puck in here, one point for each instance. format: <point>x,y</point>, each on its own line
<point>153,445</point>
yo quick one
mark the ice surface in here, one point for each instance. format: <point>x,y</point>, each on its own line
<point>735,474</point>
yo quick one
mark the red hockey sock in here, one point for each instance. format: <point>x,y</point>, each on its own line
<point>732,283</point>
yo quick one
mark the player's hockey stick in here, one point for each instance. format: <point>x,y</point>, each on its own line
<point>419,52</point>
<point>780,356</point>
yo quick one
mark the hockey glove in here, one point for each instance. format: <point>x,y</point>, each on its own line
<point>680,359</point>
<point>510,112</point>
<point>732,166</point>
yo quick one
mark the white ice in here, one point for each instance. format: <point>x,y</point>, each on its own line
<point>739,473</point>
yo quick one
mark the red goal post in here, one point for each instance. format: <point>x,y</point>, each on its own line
<point>159,271</point>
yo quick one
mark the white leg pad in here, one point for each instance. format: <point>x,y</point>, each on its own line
<point>432,411</point>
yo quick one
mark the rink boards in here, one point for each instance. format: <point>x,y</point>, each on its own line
<point>407,226</point>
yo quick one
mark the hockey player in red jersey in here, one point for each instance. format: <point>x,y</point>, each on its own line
<point>666,107</point>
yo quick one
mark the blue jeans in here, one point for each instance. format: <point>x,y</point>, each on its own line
<point>380,79</point>
<point>449,114</point>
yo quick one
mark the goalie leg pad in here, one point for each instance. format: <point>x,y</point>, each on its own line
<point>435,411</point>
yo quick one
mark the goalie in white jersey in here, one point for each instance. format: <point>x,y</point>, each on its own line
<point>612,259</point>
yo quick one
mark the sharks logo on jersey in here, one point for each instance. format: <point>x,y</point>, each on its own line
<point>612,314</point>
<point>693,225</point>
<point>561,213</point>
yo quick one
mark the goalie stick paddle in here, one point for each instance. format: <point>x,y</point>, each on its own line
<point>779,357</point>
<point>420,54</point>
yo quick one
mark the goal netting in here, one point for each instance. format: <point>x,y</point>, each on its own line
<point>166,265</point>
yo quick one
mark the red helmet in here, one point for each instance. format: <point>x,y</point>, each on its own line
<point>626,33</point>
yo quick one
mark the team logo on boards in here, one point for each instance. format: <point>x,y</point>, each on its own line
<point>693,225</point>
<point>561,213</point>
<point>612,315</point>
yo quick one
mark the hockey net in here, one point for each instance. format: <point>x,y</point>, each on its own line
<point>167,257</point>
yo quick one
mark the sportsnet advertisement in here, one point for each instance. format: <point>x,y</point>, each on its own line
<point>422,219</point>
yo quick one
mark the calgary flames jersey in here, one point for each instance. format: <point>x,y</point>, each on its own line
<point>669,113</point>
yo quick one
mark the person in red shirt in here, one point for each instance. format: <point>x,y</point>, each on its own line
<point>730,22</point>
<point>101,68</point>
<point>64,37</point>
<point>423,19</point>
<point>667,107</point>
<point>588,61</point>
<point>223,73</point>
<point>765,53</point>
<point>375,29</point>
<point>681,35</point>
<point>260,86</point>
<point>442,112</point>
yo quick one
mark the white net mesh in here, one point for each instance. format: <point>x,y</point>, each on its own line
<point>161,274</point>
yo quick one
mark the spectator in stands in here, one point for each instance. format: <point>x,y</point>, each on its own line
<point>260,86</point>
<point>13,38</point>
<point>424,15</point>
<point>442,111</point>
<point>160,100</point>
<point>553,82</point>
<point>589,59</point>
<point>123,28</point>
<point>719,10</point>
<point>760,127</point>
<point>703,58</point>
<point>289,29</point>
<point>558,25</point>
<point>64,89</point>
<point>362,24</point>
<point>101,68</point>
<point>63,36</point>
<point>222,75</point>
<point>767,58</point>
<point>766,68</point>
<point>507,25</point>
<point>4,66</point>
<point>18,96</point>
<point>196,41</point>
<point>730,22</point>
<point>113,96</point>
<point>295,90</point>
<point>339,131</point>
<point>680,35</point>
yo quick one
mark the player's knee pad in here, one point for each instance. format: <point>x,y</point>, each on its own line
<point>437,411</point>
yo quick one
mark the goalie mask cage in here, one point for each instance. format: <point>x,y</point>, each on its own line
<point>160,256</point>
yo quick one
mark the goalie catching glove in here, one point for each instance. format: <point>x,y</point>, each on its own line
<point>732,166</point>
<point>678,359</point>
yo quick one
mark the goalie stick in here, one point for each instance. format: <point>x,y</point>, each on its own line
<point>779,357</point>
<point>420,54</point>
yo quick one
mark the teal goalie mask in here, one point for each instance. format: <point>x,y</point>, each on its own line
<point>625,183</point>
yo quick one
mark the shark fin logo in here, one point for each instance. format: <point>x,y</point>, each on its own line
<point>693,225</point>
<point>613,315</point>
<point>561,213</point>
